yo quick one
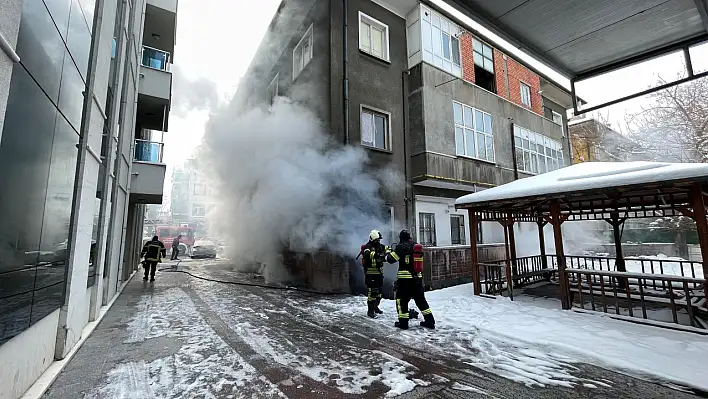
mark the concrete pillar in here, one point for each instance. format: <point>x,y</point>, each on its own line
<point>73,316</point>
<point>9,28</point>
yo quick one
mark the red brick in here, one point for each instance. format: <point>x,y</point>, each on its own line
<point>467,57</point>
<point>517,73</point>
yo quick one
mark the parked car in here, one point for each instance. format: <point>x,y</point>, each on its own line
<point>203,249</point>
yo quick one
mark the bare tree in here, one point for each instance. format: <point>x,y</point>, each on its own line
<point>674,125</point>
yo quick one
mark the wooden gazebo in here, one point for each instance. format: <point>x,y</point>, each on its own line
<point>613,192</point>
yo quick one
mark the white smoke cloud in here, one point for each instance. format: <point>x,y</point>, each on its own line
<point>283,183</point>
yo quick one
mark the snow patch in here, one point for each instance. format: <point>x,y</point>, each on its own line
<point>204,366</point>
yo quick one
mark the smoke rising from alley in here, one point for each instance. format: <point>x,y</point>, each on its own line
<point>283,183</point>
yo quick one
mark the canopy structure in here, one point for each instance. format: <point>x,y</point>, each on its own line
<point>583,39</point>
<point>609,191</point>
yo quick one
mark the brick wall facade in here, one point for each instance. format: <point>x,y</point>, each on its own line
<point>499,74</point>
<point>467,57</point>
<point>517,74</point>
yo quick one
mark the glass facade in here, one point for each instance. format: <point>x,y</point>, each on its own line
<point>38,155</point>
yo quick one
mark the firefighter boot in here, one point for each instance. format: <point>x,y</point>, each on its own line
<point>429,321</point>
<point>402,324</point>
<point>371,312</point>
<point>376,306</point>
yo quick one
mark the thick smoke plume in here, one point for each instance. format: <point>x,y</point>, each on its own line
<point>284,184</point>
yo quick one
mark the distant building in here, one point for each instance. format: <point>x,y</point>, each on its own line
<point>193,195</point>
<point>591,140</point>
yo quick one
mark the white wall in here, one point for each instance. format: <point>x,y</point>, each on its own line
<point>443,208</point>
<point>25,357</point>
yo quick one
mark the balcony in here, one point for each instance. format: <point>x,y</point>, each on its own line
<point>155,89</point>
<point>456,173</point>
<point>159,29</point>
<point>148,173</point>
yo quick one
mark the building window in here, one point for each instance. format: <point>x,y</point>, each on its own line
<point>198,210</point>
<point>525,94</point>
<point>557,118</point>
<point>457,229</point>
<point>272,90</point>
<point>375,129</point>
<point>373,37</point>
<point>536,153</point>
<point>473,132</point>
<point>483,57</point>
<point>302,54</point>
<point>426,229</point>
<point>441,44</point>
<point>199,189</point>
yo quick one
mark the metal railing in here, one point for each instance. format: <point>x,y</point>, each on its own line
<point>156,59</point>
<point>148,151</point>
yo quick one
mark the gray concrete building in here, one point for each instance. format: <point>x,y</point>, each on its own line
<point>85,92</point>
<point>422,94</point>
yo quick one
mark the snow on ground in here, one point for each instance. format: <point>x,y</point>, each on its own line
<point>204,366</point>
<point>352,369</point>
<point>670,266</point>
<point>537,345</point>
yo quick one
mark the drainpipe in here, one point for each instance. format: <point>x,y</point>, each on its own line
<point>405,147</point>
<point>513,149</point>
<point>345,82</point>
<point>7,48</point>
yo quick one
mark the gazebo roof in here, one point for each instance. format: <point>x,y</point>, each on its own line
<point>593,188</point>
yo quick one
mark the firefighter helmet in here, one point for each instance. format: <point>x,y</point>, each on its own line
<point>375,235</point>
<point>404,236</point>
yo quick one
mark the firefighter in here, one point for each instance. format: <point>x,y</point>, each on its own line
<point>153,251</point>
<point>175,247</point>
<point>410,282</point>
<point>374,256</point>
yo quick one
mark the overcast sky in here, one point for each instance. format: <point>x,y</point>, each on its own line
<point>216,40</point>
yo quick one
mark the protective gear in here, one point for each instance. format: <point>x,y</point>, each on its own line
<point>410,284</point>
<point>404,236</point>
<point>375,254</point>
<point>375,235</point>
<point>153,251</point>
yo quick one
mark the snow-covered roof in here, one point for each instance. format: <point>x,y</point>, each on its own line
<point>589,176</point>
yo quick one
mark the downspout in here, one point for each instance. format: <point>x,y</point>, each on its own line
<point>9,51</point>
<point>513,149</point>
<point>406,199</point>
<point>345,82</point>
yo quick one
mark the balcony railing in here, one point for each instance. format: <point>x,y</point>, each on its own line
<point>148,151</point>
<point>156,59</point>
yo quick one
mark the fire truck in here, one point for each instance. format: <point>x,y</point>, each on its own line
<point>168,233</point>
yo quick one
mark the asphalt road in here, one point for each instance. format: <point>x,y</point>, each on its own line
<point>186,337</point>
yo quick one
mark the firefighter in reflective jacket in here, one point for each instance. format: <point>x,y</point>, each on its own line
<point>153,251</point>
<point>410,282</point>
<point>374,256</point>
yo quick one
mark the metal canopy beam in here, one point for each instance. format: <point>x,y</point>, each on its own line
<point>702,6</point>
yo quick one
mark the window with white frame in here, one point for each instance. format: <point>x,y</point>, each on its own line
<point>441,43</point>
<point>557,118</point>
<point>426,229</point>
<point>525,94</point>
<point>302,54</point>
<point>198,210</point>
<point>473,132</point>
<point>375,129</point>
<point>483,55</point>
<point>272,90</point>
<point>457,229</point>
<point>373,36</point>
<point>199,189</point>
<point>536,153</point>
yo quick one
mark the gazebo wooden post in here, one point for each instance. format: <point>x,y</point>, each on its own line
<point>507,255</point>
<point>556,220</point>
<point>512,248</point>
<point>616,223</point>
<point>699,213</point>
<point>542,243</point>
<point>474,262</point>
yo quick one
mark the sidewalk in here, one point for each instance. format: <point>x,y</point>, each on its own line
<point>183,337</point>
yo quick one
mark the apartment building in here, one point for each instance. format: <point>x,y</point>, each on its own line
<point>193,196</point>
<point>592,140</point>
<point>422,94</point>
<point>85,94</point>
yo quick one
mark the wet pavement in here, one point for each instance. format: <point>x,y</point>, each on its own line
<point>186,337</point>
